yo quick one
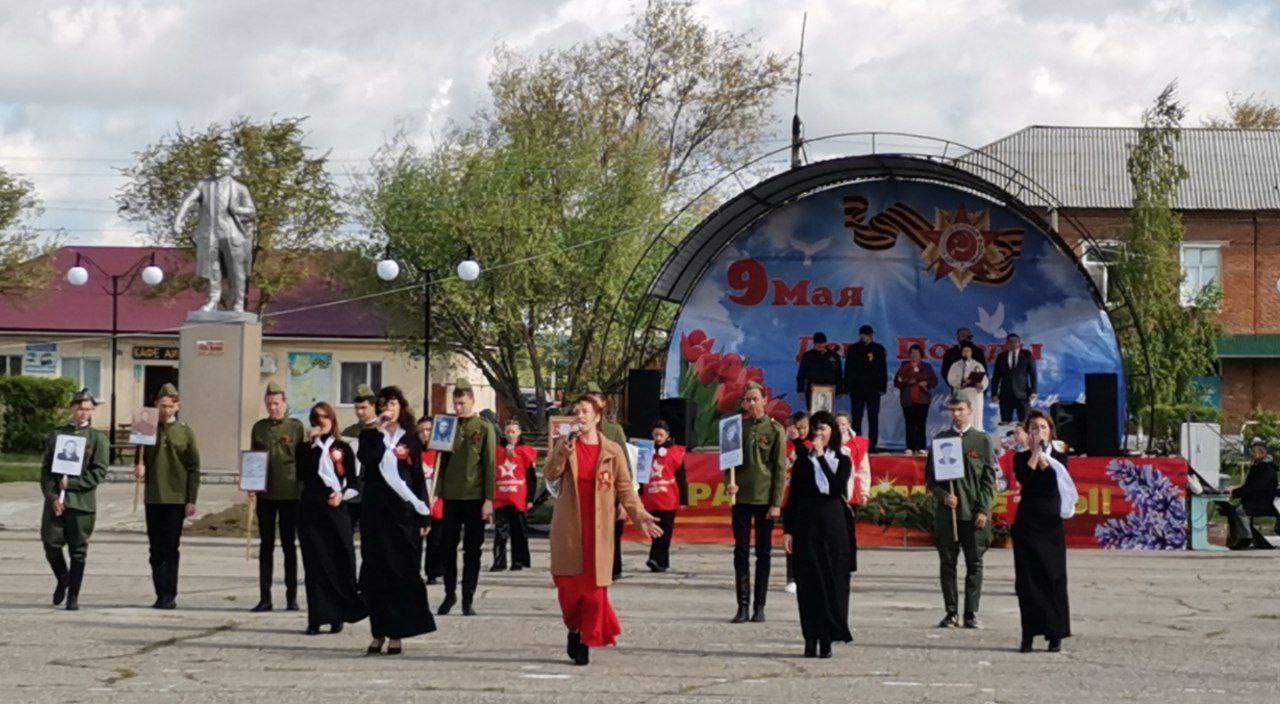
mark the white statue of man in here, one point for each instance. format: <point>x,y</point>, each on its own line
<point>224,234</point>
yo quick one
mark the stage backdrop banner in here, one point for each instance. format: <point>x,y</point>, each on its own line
<point>913,260</point>
<point>1125,503</point>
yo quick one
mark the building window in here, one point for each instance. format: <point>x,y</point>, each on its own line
<point>1201,268</point>
<point>356,373</point>
<point>86,372</point>
<point>11,365</point>
<point>1097,257</point>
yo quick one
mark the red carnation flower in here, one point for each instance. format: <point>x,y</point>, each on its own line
<point>707,368</point>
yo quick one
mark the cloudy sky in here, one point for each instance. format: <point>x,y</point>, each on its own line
<point>86,84</point>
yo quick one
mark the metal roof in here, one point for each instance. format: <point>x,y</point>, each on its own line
<point>1249,347</point>
<point>1085,167</point>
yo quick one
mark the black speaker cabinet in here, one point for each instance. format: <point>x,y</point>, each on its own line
<point>680,414</point>
<point>1069,421</point>
<point>644,386</point>
<point>1102,431</point>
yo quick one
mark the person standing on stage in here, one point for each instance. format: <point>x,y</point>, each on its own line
<point>964,338</point>
<point>816,535</point>
<point>1013,381</point>
<point>70,505</point>
<point>915,381</point>
<point>327,471</point>
<point>866,379</point>
<point>968,377</point>
<point>1039,538</point>
<point>758,500</point>
<point>365,406</point>
<point>170,470</point>
<point>593,479</point>
<point>511,499</point>
<point>465,482</point>
<point>279,437</point>
<point>665,493</point>
<point>395,519</point>
<point>969,500</point>
<point>433,560</point>
<point>819,365</point>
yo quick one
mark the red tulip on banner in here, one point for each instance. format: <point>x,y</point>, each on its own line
<point>695,344</point>
<point>707,368</point>
<point>729,396</point>
<point>731,368</point>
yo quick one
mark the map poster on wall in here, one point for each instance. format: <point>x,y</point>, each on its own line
<point>310,381</point>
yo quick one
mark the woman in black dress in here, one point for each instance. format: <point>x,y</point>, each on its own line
<point>1039,539</point>
<point>393,520</point>
<point>816,536</point>
<point>326,468</point>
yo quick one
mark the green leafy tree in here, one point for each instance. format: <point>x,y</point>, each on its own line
<point>297,202</point>
<point>1180,335</point>
<point>23,271</point>
<point>1250,112</point>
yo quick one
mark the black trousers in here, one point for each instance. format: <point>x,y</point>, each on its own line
<point>164,534</point>
<point>618,528</point>
<point>660,549</point>
<point>872,408</point>
<point>286,512</point>
<point>916,416</point>
<point>1010,407</point>
<point>433,560</point>
<point>462,516</point>
<point>744,516</point>
<point>508,523</point>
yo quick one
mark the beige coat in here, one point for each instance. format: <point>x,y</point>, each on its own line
<point>566,521</point>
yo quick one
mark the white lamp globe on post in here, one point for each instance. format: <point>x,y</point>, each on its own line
<point>152,275</point>
<point>77,275</point>
<point>468,270</point>
<point>388,269</point>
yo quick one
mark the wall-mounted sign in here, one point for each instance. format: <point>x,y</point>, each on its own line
<point>155,352</point>
<point>41,358</point>
<point>209,348</point>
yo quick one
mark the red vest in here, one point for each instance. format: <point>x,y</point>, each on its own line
<point>510,487</point>
<point>662,493</point>
<point>858,447</point>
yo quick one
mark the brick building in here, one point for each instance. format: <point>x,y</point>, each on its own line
<point>1230,208</point>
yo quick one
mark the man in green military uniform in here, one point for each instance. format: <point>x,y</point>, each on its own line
<point>279,437</point>
<point>171,471</point>
<point>757,499</point>
<point>613,431</point>
<point>465,482</point>
<point>70,503</point>
<point>969,500</point>
<point>366,407</point>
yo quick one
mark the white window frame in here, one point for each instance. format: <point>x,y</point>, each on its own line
<point>1093,258</point>
<point>368,364</point>
<point>11,369</point>
<point>1186,293</point>
<point>80,383</point>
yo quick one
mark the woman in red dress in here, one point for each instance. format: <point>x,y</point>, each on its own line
<point>589,476</point>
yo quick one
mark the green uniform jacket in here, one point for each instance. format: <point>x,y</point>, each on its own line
<point>763,474</point>
<point>80,490</point>
<point>613,431</point>
<point>978,488</point>
<point>172,465</point>
<point>353,431</point>
<point>280,440</point>
<point>467,473</point>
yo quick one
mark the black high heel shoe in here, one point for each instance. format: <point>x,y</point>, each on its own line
<point>824,649</point>
<point>312,630</point>
<point>811,648</point>
<point>1055,645</point>
<point>375,648</point>
<point>335,628</point>
<point>394,649</point>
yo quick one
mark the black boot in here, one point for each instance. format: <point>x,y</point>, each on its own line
<point>500,535</point>
<point>742,582</point>
<point>572,644</point>
<point>762,592</point>
<point>1026,643</point>
<point>291,600</point>
<point>74,578</point>
<point>447,605</point>
<point>824,649</point>
<point>59,566</point>
<point>468,597</point>
<point>811,648</point>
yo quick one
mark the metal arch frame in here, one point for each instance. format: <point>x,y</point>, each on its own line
<point>970,170</point>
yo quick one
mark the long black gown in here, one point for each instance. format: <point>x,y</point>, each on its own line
<point>1040,552</point>
<point>328,555</point>
<point>821,552</point>
<point>390,546</point>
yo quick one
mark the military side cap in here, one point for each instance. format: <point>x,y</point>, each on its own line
<point>81,396</point>
<point>273,388</point>
<point>364,391</point>
<point>755,386</point>
<point>167,390</point>
<point>957,398</point>
<point>462,385</point>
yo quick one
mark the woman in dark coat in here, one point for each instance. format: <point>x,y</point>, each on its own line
<point>393,520</point>
<point>1039,539</point>
<point>326,468</point>
<point>816,536</point>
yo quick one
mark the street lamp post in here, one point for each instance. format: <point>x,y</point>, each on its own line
<point>468,270</point>
<point>151,275</point>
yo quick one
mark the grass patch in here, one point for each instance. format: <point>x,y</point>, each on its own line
<point>19,468</point>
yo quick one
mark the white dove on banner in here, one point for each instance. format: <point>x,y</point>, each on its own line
<point>811,249</point>
<point>992,323</point>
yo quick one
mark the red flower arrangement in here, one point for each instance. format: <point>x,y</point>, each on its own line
<point>401,452</point>
<point>717,383</point>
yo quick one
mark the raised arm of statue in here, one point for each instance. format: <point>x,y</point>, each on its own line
<point>192,198</point>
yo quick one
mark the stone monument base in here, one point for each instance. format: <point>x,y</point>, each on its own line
<point>220,353</point>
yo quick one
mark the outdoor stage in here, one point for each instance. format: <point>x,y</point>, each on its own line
<point>1125,502</point>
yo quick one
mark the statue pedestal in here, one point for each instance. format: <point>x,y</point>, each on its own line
<point>220,353</point>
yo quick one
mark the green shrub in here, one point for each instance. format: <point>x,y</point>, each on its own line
<point>891,508</point>
<point>31,407</point>
<point>1167,434</point>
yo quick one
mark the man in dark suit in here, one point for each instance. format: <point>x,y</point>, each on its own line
<point>964,338</point>
<point>866,378</point>
<point>1014,380</point>
<point>819,365</point>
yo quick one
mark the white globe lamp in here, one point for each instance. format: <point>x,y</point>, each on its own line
<point>77,276</point>
<point>152,275</point>
<point>388,270</point>
<point>468,270</point>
